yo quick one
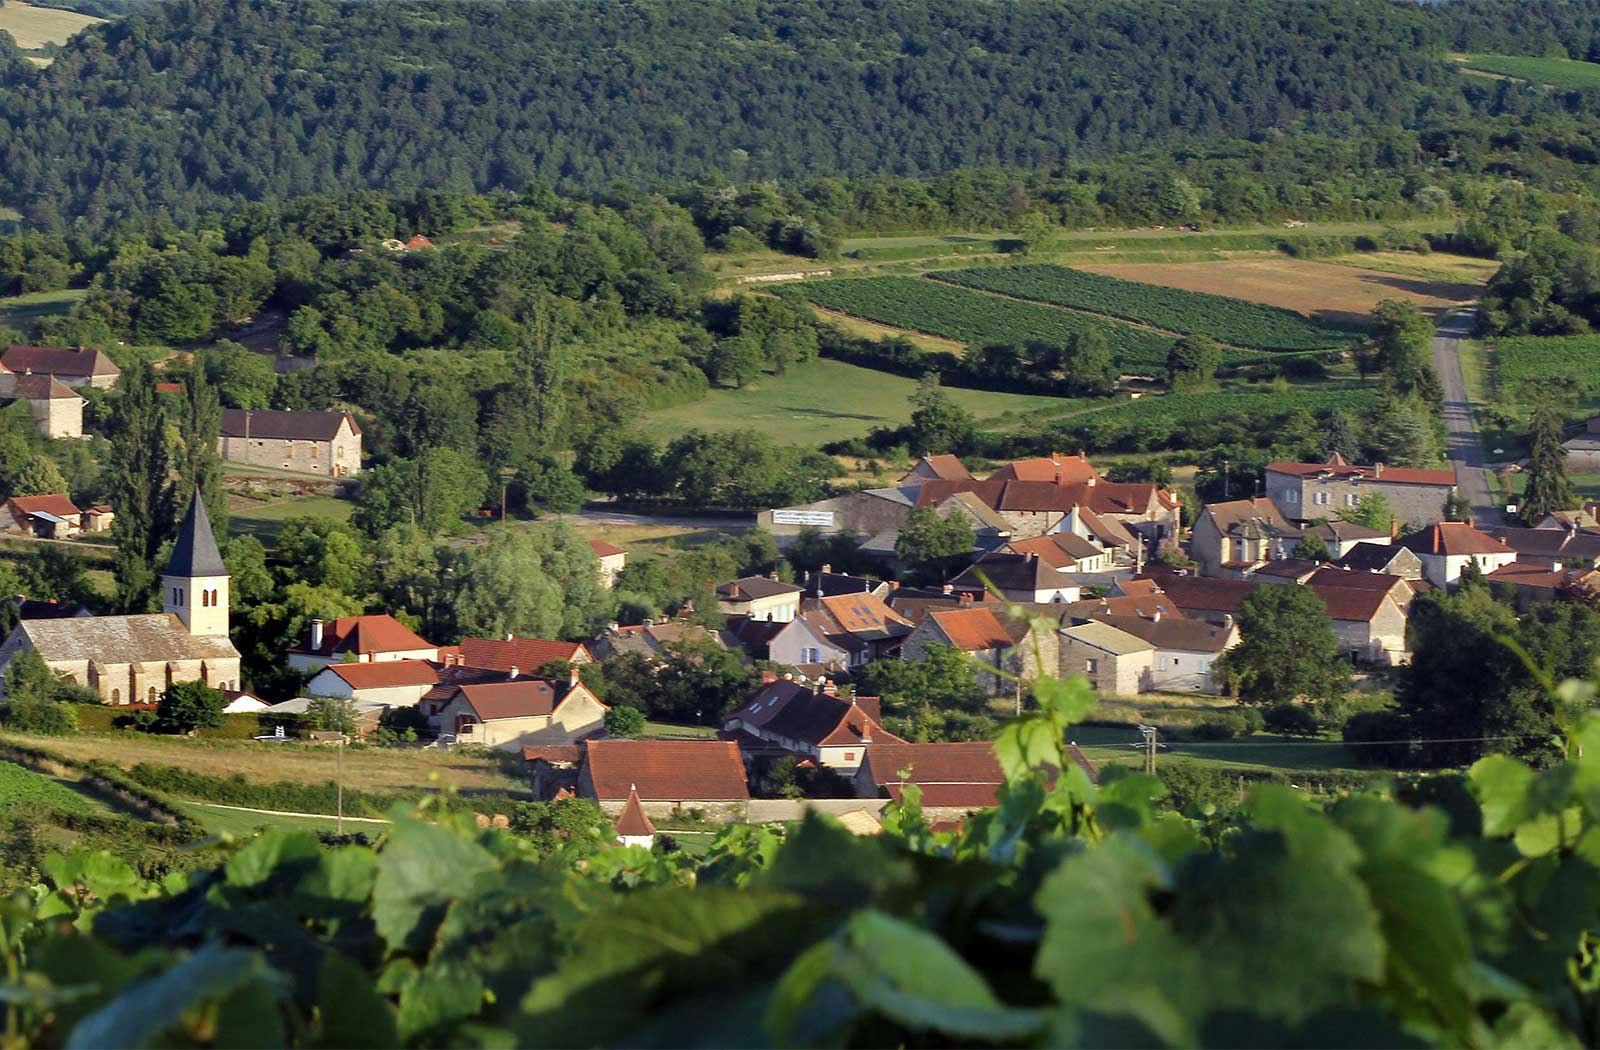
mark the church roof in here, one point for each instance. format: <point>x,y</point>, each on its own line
<point>143,638</point>
<point>195,552</point>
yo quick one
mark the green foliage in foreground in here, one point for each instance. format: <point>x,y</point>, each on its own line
<point>1462,913</point>
<point>1230,320</point>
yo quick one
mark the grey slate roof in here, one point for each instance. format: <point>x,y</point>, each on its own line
<point>275,425</point>
<point>144,638</point>
<point>195,552</point>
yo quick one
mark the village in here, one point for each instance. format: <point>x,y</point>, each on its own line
<point>1059,572</point>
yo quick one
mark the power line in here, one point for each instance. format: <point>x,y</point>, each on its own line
<point>1323,743</point>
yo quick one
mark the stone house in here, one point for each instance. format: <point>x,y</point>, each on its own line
<point>812,723</point>
<point>1567,546</point>
<point>1115,662</point>
<point>52,517</point>
<point>935,468</point>
<point>1370,623</point>
<point>1066,552</point>
<point>72,366</point>
<point>1533,584</point>
<point>133,659</point>
<point>1382,558</point>
<point>325,443</point>
<point>760,598</point>
<point>1185,650</point>
<point>1017,578</point>
<point>1446,548</point>
<point>978,631</point>
<point>1239,534</point>
<point>613,560</point>
<point>1304,491</point>
<point>56,409</point>
<point>518,712</point>
<point>670,777</point>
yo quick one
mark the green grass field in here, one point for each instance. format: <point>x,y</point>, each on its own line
<point>23,789</point>
<point>24,312</point>
<point>263,520</point>
<point>219,821</point>
<point>825,400</point>
<point>1260,751</point>
<point>1556,72</point>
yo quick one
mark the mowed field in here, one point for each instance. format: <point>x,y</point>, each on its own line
<point>1324,291</point>
<point>376,769</point>
<point>34,27</point>
<point>824,401</point>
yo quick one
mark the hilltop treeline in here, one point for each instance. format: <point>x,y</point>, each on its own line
<point>202,103</point>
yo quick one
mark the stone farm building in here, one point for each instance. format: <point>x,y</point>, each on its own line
<point>74,367</point>
<point>1305,491</point>
<point>326,443</point>
<point>133,659</point>
<point>56,409</point>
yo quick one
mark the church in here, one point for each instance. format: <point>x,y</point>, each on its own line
<point>132,659</point>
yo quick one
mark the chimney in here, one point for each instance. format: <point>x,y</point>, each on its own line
<point>514,670</point>
<point>768,677</point>
<point>1227,619</point>
<point>966,599</point>
<point>788,676</point>
<point>1157,617</point>
<point>509,636</point>
<point>572,677</point>
<point>316,635</point>
<point>773,575</point>
<point>826,567</point>
<point>829,687</point>
<point>949,588</point>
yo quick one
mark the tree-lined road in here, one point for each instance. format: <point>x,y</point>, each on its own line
<point>1462,444</point>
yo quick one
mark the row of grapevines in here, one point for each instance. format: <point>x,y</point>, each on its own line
<point>1220,317</point>
<point>22,789</point>
<point>1459,911</point>
<point>1528,366</point>
<point>940,309</point>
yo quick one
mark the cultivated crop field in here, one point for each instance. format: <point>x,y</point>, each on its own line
<point>1336,295</point>
<point>1229,320</point>
<point>1530,365</point>
<point>1557,72</point>
<point>972,317</point>
<point>22,789</point>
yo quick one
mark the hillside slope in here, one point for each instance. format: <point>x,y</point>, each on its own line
<point>196,103</point>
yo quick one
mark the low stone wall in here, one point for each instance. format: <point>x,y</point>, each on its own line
<point>776,810</point>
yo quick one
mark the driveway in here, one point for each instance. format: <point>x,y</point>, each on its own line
<point>1461,444</point>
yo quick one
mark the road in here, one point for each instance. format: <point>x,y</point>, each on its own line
<point>1461,444</point>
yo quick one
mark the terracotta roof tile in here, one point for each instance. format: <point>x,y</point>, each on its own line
<point>518,698</point>
<point>1387,475</point>
<point>525,654</point>
<point>375,633</point>
<point>972,630</point>
<point>63,361</point>
<point>1055,469</point>
<point>602,549</point>
<point>54,504</point>
<point>1452,538</point>
<point>387,674</point>
<point>667,770</point>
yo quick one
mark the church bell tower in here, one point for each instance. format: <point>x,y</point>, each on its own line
<point>195,585</point>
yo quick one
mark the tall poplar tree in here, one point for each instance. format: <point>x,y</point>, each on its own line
<point>199,460</point>
<point>1549,489</point>
<point>140,486</point>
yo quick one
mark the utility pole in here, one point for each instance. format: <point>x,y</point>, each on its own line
<point>1224,479</point>
<point>506,474</point>
<point>1149,733</point>
<point>339,780</point>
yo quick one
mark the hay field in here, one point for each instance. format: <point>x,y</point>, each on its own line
<point>1327,292</point>
<point>34,27</point>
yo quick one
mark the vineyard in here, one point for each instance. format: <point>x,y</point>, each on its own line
<point>23,790</point>
<point>971,317</point>
<point>1451,910</point>
<point>1229,320</point>
<point>1563,73</point>
<point>1529,365</point>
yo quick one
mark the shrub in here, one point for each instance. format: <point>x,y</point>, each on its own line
<point>46,717</point>
<point>1223,726</point>
<point>1367,735</point>
<point>625,721</point>
<point>1291,720</point>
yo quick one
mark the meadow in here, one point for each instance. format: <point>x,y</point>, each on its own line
<point>824,400</point>
<point>1557,72</point>
<point>24,312</point>
<point>34,27</point>
<point>1230,320</point>
<point>264,519</point>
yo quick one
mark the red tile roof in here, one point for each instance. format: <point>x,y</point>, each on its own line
<point>972,630</point>
<point>667,770</point>
<point>794,711</point>
<point>376,633</point>
<point>519,698</point>
<point>55,504</point>
<point>633,823</point>
<point>1206,594</point>
<point>863,614</point>
<point>947,467</point>
<point>1452,538</point>
<point>564,754</point>
<point>387,674</point>
<point>1387,475</point>
<point>525,654</point>
<point>1352,603</point>
<point>602,549</point>
<point>1054,468</point>
<point>169,388</point>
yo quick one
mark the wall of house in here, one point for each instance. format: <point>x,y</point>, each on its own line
<point>1122,675</point>
<point>844,759</point>
<point>1182,670</point>
<point>1381,642</point>
<point>329,684</point>
<point>313,661</point>
<point>1444,570</point>
<point>1297,498</point>
<point>1026,524</point>
<point>610,565</point>
<point>337,458</point>
<point>788,646</point>
<point>780,608</point>
<point>855,514</point>
<point>59,417</point>
<point>576,716</point>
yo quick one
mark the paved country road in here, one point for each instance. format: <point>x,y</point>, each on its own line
<point>1461,444</point>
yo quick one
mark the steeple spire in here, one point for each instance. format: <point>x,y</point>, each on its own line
<point>195,552</point>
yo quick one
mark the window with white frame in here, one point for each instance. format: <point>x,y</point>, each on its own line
<point>1321,499</point>
<point>1291,496</point>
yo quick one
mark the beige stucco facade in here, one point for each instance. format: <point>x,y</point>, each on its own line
<point>577,715</point>
<point>57,417</point>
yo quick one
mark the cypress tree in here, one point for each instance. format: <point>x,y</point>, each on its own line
<point>1548,486</point>
<point>141,490</point>
<point>199,461</point>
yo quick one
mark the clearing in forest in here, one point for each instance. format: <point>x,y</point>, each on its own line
<point>34,27</point>
<point>1332,294</point>
<point>1564,73</point>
